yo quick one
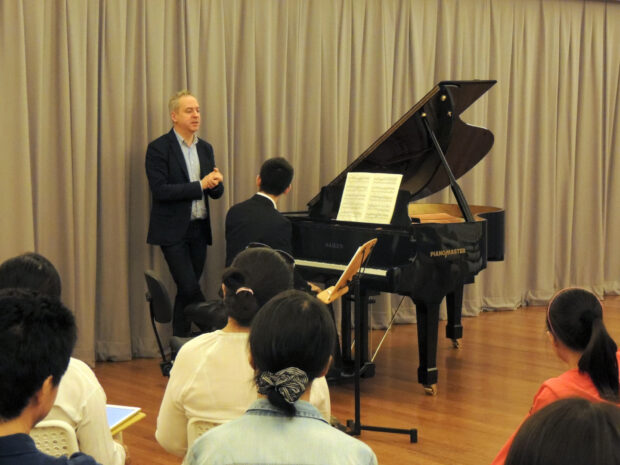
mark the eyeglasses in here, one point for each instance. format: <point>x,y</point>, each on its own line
<point>288,258</point>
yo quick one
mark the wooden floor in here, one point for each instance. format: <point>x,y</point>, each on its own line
<point>485,389</point>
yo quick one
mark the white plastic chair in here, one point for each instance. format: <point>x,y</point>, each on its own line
<point>196,428</point>
<point>55,437</point>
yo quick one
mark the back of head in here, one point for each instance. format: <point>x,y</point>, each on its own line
<point>569,432</point>
<point>37,335</point>
<point>575,318</point>
<point>255,276</point>
<point>30,271</point>
<point>276,175</point>
<point>291,340</point>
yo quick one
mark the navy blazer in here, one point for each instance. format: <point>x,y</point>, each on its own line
<point>172,192</point>
<point>256,220</point>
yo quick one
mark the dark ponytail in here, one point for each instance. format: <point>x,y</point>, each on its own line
<point>291,340</point>
<point>240,302</point>
<point>575,317</point>
<point>599,360</point>
<point>255,276</point>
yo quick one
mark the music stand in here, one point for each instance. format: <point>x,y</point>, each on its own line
<point>351,275</point>
<point>341,287</point>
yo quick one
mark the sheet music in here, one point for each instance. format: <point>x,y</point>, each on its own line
<point>369,197</point>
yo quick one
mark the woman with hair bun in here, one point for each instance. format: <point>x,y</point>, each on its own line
<point>291,342</point>
<point>576,330</point>
<point>211,378</point>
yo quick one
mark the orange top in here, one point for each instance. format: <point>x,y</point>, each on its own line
<point>569,384</point>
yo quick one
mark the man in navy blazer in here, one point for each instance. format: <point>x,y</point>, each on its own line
<point>182,175</point>
<point>258,219</point>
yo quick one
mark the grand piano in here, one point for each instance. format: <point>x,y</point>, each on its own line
<point>429,251</point>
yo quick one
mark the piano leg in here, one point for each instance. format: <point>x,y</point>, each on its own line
<point>363,343</point>
<point>454,304</point>
<point>337,362</point>
<point>428,322</point>
<point>361,311</point>
<point>345,329</point>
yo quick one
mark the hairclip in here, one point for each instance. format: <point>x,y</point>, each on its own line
<point>244,289</point>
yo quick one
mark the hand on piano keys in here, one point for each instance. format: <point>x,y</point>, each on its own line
<point>329,295</point>
<point>314,287</point>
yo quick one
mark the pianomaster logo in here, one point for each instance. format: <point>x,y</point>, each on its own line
<point>447,253</point>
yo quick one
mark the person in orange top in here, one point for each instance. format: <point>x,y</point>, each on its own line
<point>579,337</point>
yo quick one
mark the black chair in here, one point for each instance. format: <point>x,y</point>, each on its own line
<point>160,308</point>
<point>208,316</point>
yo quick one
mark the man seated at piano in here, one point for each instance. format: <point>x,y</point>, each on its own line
<point>257,219</point>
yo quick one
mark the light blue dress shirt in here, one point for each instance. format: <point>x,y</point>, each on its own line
<point>190,154</point>
<point>264,435</point>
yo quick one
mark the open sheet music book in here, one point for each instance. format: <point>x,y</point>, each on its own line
<point>369,197</point>
<point>342,285</point>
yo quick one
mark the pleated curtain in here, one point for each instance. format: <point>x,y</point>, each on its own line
<point>84,86</point>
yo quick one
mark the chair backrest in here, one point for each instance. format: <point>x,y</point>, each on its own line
<point>55,437</point>
<point>159,298</point>
<point>196,427</point>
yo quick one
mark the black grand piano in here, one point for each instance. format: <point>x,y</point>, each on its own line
<point>429,251</point>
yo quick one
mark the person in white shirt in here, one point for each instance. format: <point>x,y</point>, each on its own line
<point>290,345</point>
<point>81,401</point>
<point>211,378</point>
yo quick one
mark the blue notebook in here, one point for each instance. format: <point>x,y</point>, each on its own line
<point>117,414</point>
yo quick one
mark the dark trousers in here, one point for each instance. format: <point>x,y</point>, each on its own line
<point>186,260</point>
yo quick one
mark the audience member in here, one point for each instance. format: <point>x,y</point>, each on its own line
<point>570,431</point>
<point>579,337</point>
<point>211,378</point>
<point>291,340</point>
<point>37,335</point>
<point>81,401</point>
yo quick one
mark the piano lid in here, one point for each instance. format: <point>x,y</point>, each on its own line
<point>406,147</point>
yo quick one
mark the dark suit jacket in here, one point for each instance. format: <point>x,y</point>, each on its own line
<point>256,220</point>
<point>172,191</point>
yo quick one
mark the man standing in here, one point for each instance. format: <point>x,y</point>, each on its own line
<point>258,219</point>
<point>181,171</point>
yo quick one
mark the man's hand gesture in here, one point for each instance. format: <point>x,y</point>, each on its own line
<point>212,179</point>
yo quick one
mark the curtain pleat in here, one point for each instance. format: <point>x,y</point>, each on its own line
<point>85,84</point>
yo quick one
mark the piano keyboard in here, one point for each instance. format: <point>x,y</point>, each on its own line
<point>338,267</point>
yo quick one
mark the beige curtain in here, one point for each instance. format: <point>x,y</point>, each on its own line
<point>84,86</point>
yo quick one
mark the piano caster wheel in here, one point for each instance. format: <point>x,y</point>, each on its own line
<point>456,343</point>
<point>430,389</point>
